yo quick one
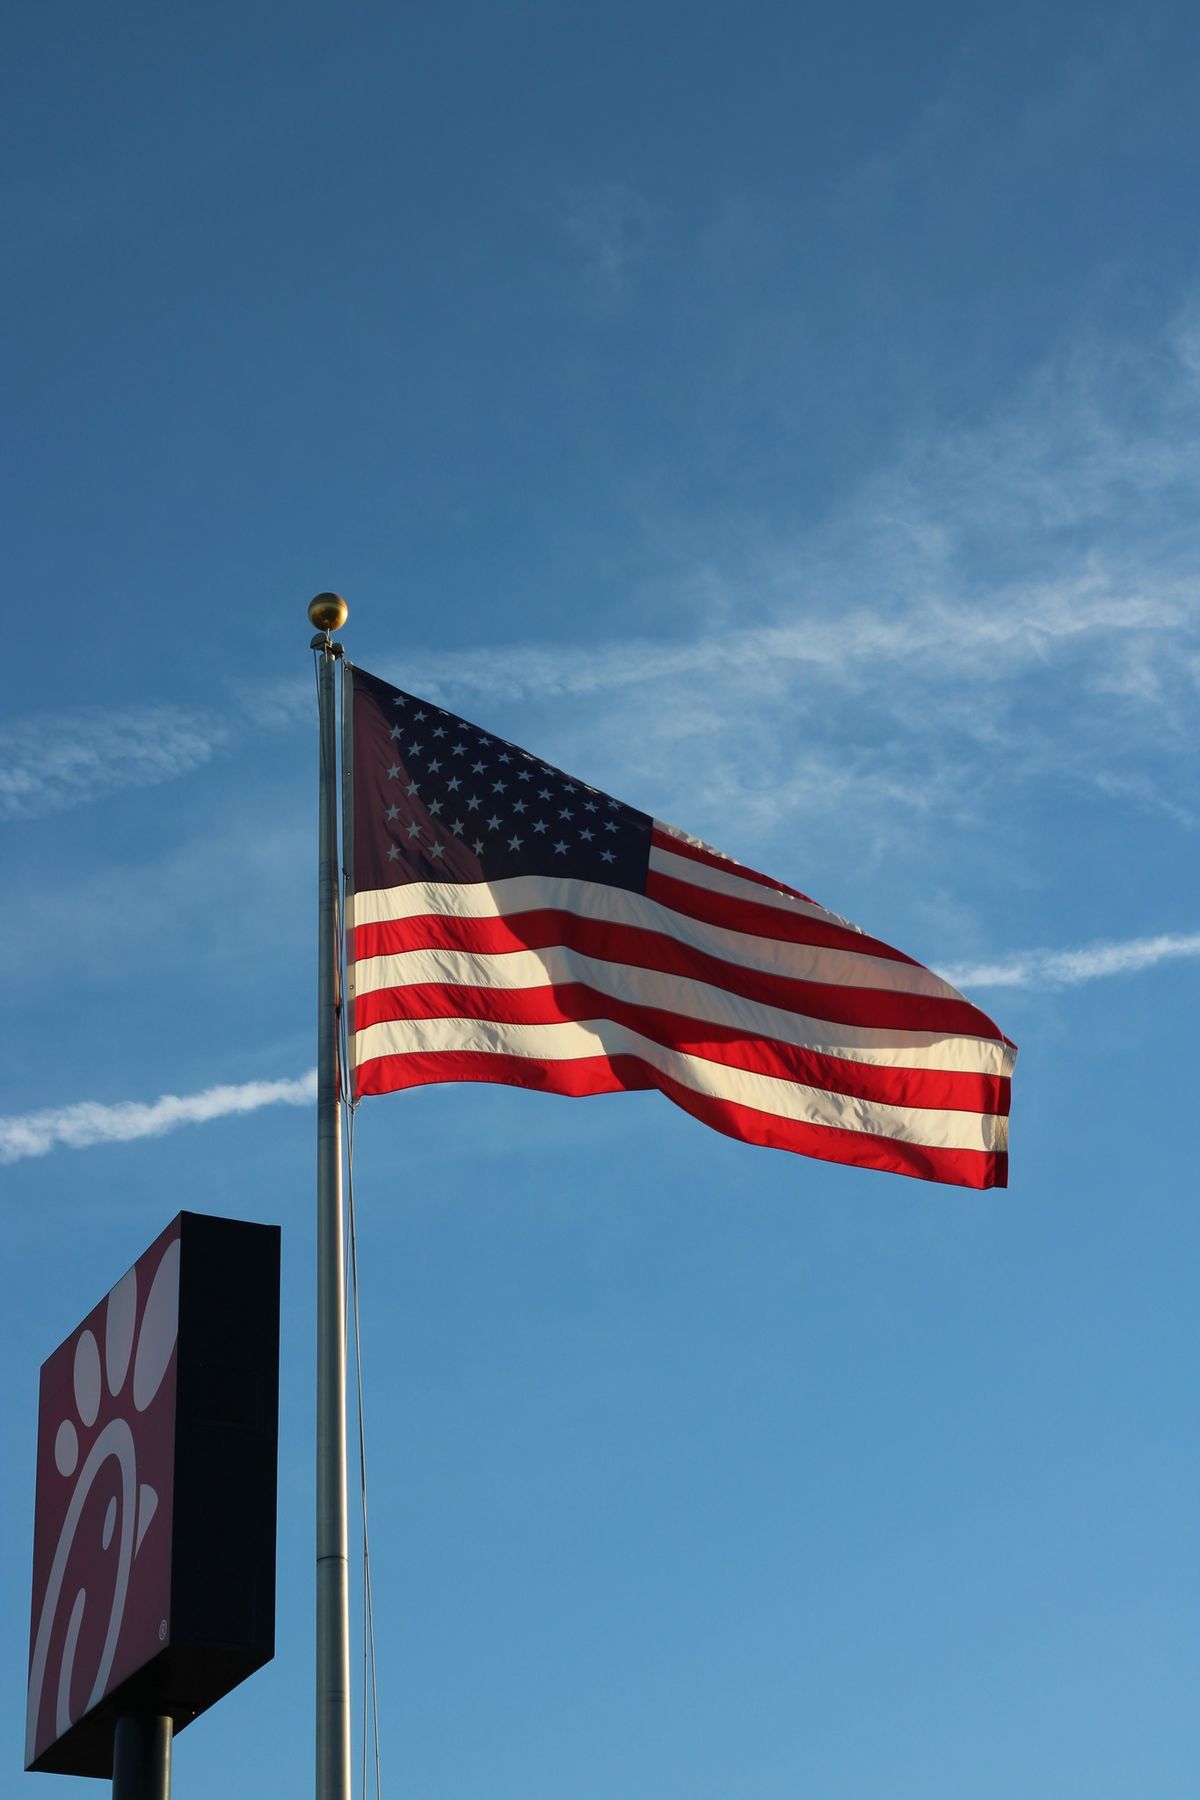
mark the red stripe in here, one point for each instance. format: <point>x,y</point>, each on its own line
<point>875,1008</point>
<point>748,916</point>
<point>625,1073</point>
<point>662,840</point>
<point>933,1089</point>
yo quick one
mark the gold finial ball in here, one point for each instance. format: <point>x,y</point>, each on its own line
<point>328,612</point>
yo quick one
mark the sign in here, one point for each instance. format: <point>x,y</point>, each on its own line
<point>154,1524</point>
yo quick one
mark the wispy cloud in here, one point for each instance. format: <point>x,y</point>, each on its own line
<point>1016,629</point>
<point>1067,968</point>
<point>1010,603</point>
<point>52,761</point>
<point>89,1122</point>
<point>609,226</point>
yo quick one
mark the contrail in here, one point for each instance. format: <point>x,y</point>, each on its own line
<point>89,1122</point>
<point>1066,968</point>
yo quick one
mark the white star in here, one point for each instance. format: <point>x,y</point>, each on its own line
<point>477,846</point>
<point>458,749</point>
<point>393,771</point>
<point>393,812</point>
<point>439,731</point>
<point>518,806</point>
<point>525,775</point>
<point>456,828</point>
<point>400,700</point>
<point>609,826</point>
<point>564,812</point>
<point>477,768</point>
<point>414,749</point>
<point>414,787</point>
<point>433,765</point>
<point>585,836</point>
<point>394,853</point>
<point>607,856</point>
<point>567,788</point>
<point>435,806</point>
<point>561,848</point>
<point>514,843</point>
<point>419,716</point>
<point>493,824</point>
<point>472,804</point>
<point>414,830</point>
<point>499,787</point>
<point>545,794</point>
<point>613,805</point>
<point>437,850</point>
<point>454,784</point>
<point>588,805</point>
<point>540,825</point>
<point>397,731</point>
<point>504,757</point>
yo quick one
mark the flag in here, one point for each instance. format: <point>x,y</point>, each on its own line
<point>510,923</point>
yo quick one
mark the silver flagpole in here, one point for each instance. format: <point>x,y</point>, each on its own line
<point>328,613</point>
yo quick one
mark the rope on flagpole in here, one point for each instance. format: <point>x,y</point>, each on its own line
<point>370,1679</point>
<point>370,1730</point>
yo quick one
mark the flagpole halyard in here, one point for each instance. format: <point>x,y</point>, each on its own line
<point>328,612</point>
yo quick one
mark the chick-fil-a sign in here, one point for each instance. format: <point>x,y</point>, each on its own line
<point>154,1524</point>
<point>105,1469</point>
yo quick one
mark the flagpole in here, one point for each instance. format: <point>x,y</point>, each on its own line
<point>328,613</point>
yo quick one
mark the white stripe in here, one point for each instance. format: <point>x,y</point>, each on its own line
<point>737,887</point>
<point>619,906</point>
<point>947,1130</point>
<point>556,965</point>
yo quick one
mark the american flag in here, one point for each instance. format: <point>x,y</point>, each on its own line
<point>510,923</point>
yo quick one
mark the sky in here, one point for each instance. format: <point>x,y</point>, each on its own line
<point>786,419</point>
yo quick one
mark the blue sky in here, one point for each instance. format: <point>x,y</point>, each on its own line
<point>788,422</point>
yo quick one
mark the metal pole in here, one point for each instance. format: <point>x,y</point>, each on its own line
<point>142,1757</point>
<point>327,612</point>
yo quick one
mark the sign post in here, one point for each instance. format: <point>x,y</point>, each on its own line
<point>142,1757</point>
